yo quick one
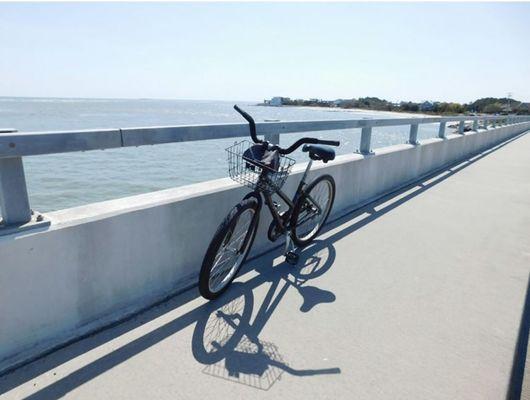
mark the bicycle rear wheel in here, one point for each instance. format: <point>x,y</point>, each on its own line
<point>312,210</point>
<point>229,249</point>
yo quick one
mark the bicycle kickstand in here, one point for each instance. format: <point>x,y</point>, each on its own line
<point>290,255</point>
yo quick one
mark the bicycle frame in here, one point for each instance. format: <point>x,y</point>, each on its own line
<point>283,223</point>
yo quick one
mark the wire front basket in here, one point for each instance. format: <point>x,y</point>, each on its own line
<point>253,166</point>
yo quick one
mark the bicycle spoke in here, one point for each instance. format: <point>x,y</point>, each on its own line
<point>315,203</point>
<point>230,254</point>
<point>218,265</point>
<point>314,211</point>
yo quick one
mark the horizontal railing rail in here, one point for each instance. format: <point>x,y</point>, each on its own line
<point>14,145</point>
<point>37,143</point>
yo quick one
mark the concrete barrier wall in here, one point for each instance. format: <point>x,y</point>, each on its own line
<point>98,263</point>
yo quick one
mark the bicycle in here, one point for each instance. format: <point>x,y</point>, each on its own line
<point>264,168</point>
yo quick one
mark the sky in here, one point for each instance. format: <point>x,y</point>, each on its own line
<point>252,51</point>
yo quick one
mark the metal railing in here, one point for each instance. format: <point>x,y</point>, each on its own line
<point>14,145</point>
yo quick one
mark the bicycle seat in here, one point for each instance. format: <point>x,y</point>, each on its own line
<point>318,152</point>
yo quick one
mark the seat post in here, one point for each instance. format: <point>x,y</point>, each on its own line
<point>306,172</point>
<point>302,181</point>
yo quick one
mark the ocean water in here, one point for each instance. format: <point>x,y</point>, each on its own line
<point>66,180</point>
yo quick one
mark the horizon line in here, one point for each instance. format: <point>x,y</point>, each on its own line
<point>243,101</point>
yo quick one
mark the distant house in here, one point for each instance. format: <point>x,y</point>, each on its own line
<point>278,101</point>
<point>275,101</point>
<point>426,106</point>
<point>507,108</point>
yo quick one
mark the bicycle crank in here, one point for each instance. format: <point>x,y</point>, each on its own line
<point>291,257</point>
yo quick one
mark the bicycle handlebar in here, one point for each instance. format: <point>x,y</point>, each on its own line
<point>306,140</point>
<point>290,149</point>
<point>251,123</point>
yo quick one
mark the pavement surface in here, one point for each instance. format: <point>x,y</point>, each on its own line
<point>420,295</point>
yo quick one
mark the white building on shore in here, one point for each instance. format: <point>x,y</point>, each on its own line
<point>277,101</point>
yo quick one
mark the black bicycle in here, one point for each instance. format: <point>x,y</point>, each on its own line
<point>264,168</point>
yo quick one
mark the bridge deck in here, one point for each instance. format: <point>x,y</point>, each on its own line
<point>417,296</point>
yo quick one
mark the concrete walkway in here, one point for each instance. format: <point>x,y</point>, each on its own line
<point>417,296</point>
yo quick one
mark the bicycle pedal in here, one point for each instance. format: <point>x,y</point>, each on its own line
<point>291,258</point>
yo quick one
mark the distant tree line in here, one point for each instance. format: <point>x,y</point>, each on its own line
<point>488,105</point>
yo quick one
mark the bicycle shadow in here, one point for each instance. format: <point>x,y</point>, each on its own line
<point>226,339</point>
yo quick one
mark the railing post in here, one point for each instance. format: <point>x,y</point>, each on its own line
<point>366,140</point>
<point>461,127</point>
<point>486,124</point>
<point>493,123</point>
<point>413,135</point>
<point>475,125</point>
<point>441,130</point>
<point>14,201</point>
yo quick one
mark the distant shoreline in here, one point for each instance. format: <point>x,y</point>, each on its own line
<point>486,105</point>
<point>357,110</point>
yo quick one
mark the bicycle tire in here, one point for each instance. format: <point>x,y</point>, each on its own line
<point>301,205</point>
<point>224,231</point>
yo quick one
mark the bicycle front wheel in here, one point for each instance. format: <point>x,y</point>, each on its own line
<point>312,210</point>
<point>229,249</point>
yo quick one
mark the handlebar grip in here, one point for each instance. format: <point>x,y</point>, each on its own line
<point>306,140</point>
<point>329,142</point>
